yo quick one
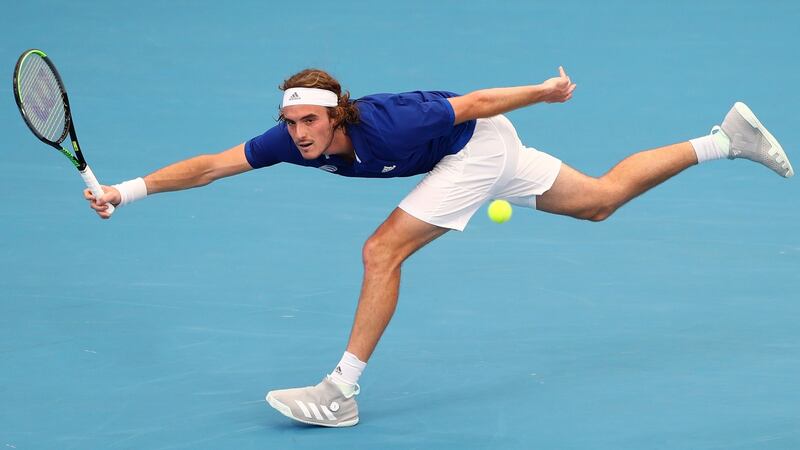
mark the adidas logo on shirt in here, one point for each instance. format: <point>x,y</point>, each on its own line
<point>329,168</point>
<point>388,168</point>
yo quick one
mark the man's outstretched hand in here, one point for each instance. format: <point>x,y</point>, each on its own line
<point>559,89</point>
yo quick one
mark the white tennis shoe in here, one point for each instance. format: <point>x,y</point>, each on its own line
<point>750,139</point>
<point>324,404</point>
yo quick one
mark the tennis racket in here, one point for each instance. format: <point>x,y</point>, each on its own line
<point>43,102</point>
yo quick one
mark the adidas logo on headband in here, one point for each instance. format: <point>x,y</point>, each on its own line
<point>309,96</point>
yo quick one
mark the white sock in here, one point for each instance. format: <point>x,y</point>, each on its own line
<point>710,147</point>
<point>347,372</point>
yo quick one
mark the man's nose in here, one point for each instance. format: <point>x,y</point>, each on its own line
<point>301,131</point>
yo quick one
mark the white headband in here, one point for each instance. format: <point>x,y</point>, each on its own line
<point>309,96</point>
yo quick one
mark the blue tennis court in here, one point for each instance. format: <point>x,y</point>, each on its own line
<point>673,325</point>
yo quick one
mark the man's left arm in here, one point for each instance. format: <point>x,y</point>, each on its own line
<point>491,102</point>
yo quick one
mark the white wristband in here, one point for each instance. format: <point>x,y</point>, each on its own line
<point>131,190</point>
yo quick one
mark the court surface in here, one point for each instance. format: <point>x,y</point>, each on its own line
<point>674,325</point>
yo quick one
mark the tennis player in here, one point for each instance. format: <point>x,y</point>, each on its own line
<point>470,153</point>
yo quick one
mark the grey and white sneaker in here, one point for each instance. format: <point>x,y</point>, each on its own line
<point>324,404</point>
<point>750,139</point>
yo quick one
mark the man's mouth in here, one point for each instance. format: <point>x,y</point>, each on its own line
<point>304,145</point>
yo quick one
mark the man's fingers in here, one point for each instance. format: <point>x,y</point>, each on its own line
<point>99,205</point>
<point>88,195</point>
<point>561,71</point>
<point>94,203</point>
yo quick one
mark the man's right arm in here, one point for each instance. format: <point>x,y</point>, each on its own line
<point>198,171</point>
<point>189,173</point>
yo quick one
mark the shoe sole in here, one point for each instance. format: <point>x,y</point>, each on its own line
<point>286,411</point>
<point>778,154</point>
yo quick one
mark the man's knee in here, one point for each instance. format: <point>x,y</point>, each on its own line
<point>601,213</point>
<point>606,199</point>
<point>593,213</point>
<point>379,252</point>
<point>396,239</point>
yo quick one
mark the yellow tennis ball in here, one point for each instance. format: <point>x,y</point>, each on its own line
<point>499,211</point>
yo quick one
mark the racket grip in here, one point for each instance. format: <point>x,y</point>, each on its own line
<point>94,186</point>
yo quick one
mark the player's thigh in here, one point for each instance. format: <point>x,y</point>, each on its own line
<point>400,235</point>
<point>572,194</point>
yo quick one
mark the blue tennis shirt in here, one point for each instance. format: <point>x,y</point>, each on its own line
<point>399,135</point>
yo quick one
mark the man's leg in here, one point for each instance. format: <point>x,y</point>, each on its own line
<point>584,197</point>
<point>331,403</point>
<point>395,240</point>
<point>741,135</point>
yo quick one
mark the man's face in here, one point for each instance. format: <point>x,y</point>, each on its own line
<point>310,128</point>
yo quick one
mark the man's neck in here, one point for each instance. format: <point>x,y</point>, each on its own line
<point>341,145</point>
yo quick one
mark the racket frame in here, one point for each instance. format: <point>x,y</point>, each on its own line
<point>77,158</point>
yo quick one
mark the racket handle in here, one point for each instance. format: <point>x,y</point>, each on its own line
<point>94,186</point>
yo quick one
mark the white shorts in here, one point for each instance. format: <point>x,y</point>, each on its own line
<point>493,164</point>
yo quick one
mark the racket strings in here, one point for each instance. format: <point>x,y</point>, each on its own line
<point>41,98</point>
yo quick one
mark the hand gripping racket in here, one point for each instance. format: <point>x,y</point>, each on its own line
<point>43,102</point>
